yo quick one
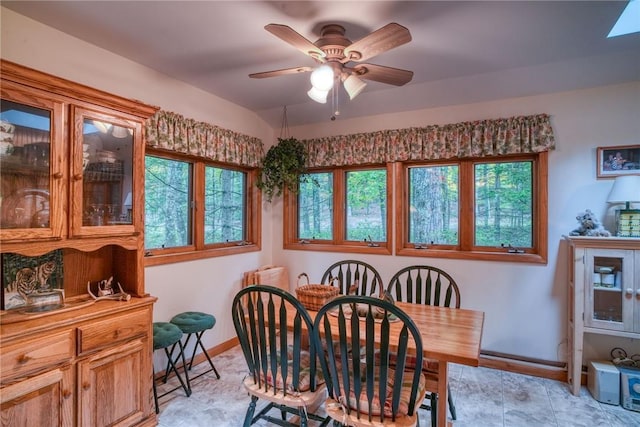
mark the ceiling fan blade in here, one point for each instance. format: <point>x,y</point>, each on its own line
<point>379,73</point>
<point>290,36</point>
<point>386,38</point>
<point>282,72</point>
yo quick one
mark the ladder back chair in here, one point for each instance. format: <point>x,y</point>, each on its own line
<point>367,386</point>
<point>355,277</point>
<point>424,284</point>
<point>270,324</point>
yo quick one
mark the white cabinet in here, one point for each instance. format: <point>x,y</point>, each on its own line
<point>603,294</point>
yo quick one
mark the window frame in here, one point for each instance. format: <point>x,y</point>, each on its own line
<point>339,242</point>
<point>198,249</point>
<point>466,249</point>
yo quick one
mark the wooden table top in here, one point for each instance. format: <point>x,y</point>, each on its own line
<point>448,334</point>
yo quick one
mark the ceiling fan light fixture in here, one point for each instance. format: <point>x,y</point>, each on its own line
<point>322,78</point>
<point>119,132</point>
<point>354,85</point>
<point>101,126</point>
<point>318,95</point>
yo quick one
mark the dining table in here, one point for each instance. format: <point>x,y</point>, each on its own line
<point>449,335</point>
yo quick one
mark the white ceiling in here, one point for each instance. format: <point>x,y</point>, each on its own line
<point>461,52</point>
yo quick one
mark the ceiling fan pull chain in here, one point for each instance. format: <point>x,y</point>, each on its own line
<point>335,101</point>
<point>284,129</point>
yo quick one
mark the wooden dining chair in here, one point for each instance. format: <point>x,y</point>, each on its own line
<point>281,370</point>
<point>355,278</point>
<point>424,284</point>
<point>359,334</point>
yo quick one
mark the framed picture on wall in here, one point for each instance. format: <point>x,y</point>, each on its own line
<point>618,160</point>
<point>32,283</point>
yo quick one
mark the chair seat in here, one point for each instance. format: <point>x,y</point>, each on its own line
<point>304,380</point>
<point>295,400</point>
<point>336,412</point>
<point>379,405</point>
<point>165,334</point>
<point>193,321</point>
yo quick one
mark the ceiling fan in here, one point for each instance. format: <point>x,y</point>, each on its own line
<point>335,52</point>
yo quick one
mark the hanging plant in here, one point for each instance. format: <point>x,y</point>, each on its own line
<point>282,167</point>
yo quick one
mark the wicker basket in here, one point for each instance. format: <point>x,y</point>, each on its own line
<point>313,297</point>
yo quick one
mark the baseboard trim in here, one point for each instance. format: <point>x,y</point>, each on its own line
<point>523,365</point>
<point>216,350</point>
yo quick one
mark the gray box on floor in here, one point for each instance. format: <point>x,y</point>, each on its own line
<point>604,382</point>
<point>630,385</point>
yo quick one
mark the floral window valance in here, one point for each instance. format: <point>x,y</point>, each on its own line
<point>514,135</point>
<point>171,131</point>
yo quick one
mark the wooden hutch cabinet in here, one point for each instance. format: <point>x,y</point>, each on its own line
<point>71,217</point>
<point>603,294</point>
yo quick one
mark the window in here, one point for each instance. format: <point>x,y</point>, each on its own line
<point>197,209</point>
<point>361,222</point>
<point>315,212</point>
<point>489,208</point>
<point>433,201</point>
<point>167,203</point>
<point>224,205</point>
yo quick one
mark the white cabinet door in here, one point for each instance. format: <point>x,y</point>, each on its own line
<point>610,291</point>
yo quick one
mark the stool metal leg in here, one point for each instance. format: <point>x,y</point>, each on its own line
<point>168,370</point>
<point>155,393</point>
<point>195,347</point>
<point>171,366</point>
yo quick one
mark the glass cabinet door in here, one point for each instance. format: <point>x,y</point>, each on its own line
<point>103,188</point>
<point>610,295</point>
<point>31,169</point>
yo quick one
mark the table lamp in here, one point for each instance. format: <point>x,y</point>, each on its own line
<point>626,189</point>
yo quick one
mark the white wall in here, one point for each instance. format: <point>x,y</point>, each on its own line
<point>525,305</point>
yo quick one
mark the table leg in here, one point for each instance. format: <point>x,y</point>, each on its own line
<point>443,381</point>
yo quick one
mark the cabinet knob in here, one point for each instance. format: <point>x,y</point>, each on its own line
<point>57,175</point>
<point>77,177</point>
<point>638,292</point>
<point>629,291</point>
<point>86,386</point>
<point>23,359</point>
<point>66,394</point>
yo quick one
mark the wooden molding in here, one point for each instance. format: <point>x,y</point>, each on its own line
<point>509,365</point>
<point>38,80</point>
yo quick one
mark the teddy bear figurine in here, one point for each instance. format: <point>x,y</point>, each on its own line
<point>589,226</point>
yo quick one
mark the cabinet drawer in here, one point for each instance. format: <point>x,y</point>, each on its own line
<point>26,357</point>
<point>111,331</point>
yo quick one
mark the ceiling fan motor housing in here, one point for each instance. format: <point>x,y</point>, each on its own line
<point>332,42</point>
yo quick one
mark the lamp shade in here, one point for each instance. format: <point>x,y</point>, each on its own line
<point>318,95</point>
<point>322,78</point>
<point>353,85</point>
<point>626,189</point>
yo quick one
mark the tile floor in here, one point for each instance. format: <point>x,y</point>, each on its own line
<point>483,397</point>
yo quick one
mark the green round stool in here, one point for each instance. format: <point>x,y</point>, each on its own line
<point>167,335</point>
<point>196,323</point>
